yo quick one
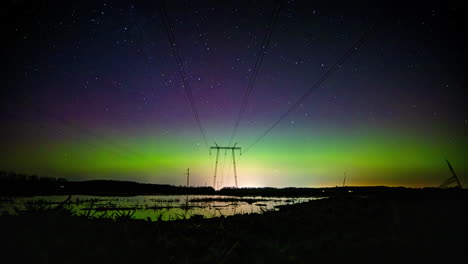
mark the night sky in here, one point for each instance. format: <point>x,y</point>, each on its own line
<point>92,91</point>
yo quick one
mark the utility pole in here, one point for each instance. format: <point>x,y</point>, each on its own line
<point>344,180</point>
<point>188,176</point>
<point>233,149</point>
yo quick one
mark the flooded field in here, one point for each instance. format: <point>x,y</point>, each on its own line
<point>154,207</point>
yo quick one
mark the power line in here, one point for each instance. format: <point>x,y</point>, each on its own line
<point>175,53</point>
<point>322,79</point>
<point>116,149</point>
<point>89,132</point>
<point>258,63</point>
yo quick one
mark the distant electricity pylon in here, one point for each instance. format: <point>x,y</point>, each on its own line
<point>453,179</point>
<point>188,176</point>
<point>233,149</point>
<point>344,180</point>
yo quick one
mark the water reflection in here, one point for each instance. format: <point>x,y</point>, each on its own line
<point>156,207</point>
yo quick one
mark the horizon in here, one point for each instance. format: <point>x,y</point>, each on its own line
<point>28,178</point>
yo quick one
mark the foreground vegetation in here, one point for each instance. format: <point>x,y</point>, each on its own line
<point>385,226</point>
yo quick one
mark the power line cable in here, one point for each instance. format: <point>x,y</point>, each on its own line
<point>322,79</point>
<point>175,52</point>
<point>264,46</point>
<point>116,149</point>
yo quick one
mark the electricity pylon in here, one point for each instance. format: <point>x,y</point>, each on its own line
<point>451,180</point>
<point>233,149</point>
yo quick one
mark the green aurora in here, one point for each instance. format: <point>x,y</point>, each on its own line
<point>298,158</point>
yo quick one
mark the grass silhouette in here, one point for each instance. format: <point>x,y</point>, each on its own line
<point>385,226</point>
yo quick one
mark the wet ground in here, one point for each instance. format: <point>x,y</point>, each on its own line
<point>154,207</point>
<point>388,227</point>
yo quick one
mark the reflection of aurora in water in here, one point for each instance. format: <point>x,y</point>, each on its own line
<point>171,207</point>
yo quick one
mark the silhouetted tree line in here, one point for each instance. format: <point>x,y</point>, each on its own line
<point>12,183</point>
<point>21,177</point>
<point>109,187</point>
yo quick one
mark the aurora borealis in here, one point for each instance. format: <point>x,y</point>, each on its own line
<point>92,92</point>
